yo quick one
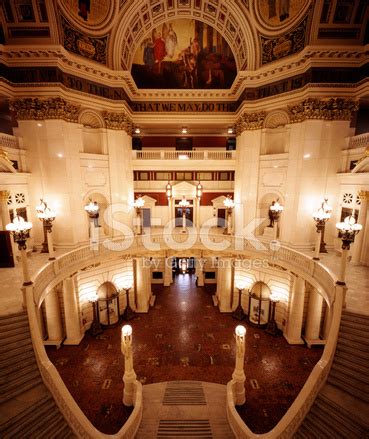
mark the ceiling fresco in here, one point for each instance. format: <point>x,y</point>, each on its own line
<point>182,53</point>
<point>277,12</point>
<point>90,11</point>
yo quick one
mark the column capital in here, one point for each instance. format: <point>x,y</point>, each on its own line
<point>250,121</point>
<point>118,121</point>
<point>4,195</point>
<point>323,109</point>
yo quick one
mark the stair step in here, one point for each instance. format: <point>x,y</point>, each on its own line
<point>14,326</point>
<point>19,350</point>
<point>303,433</point>
<point>63,431</point>
<point>349,377</point>
<point>364,333</point>
<point>10,342</point>
<point>47,424</point>
<point>326,425</point>
<point>8,370</point>
<point>16,374</point>
<point>6,319</point>
<point>352,317</point>
<point>348,352</point>
<point>20,385</point>
<point>20,424</point>
<point>5,335</point>
<point>351,341</point>
<point>337,382</point>
<point>355,325</point>
<point>314,428</point>
<point>360,370</point>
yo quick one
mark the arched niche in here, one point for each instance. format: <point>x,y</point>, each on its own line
<point>276,133</point>
<point>92,132</point>
<point>108,304</point>
<point>259,304</point>
<point>263,208</point>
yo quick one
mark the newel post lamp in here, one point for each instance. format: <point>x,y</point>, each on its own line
<point>47,216</point>
<point>321,216</point>
<point>138,204</point>
<point>238,313</point>
<point>128,313</point>
<point>272,327</point>
<point>183,204</point>
<point>229,205</point>
<point>129,376</point>
<point>348,229</point>
<point>238,376</point>
<point>95,328</point>
<point>20,231</point>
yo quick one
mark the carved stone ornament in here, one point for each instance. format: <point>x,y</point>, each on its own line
<point>41,109</point>
<point>117,121</point>
<point>331,109</point>
<point>250,121</point>
<point>363,195</point>
<point>364,156</point>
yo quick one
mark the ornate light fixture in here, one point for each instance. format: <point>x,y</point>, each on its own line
<point>47,216</point>
<point>229,205</point>
<point>183,204</point>
<point>92,208</point>
<point>321,216</point>
<point>138,204</point>
<point>238,376</point>
<point>95,328</point>
<point>275,212</point>
<point>168,190</point>
<point>198,190</point>
<point>128,314</point>
<point>272,327</point>
<point>129,377</point>
<point>20,228</point>
<point>238,312</point>
<point>348,229</point>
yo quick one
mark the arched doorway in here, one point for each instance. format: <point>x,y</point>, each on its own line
<point>259,304</point>
<point>108,304</point>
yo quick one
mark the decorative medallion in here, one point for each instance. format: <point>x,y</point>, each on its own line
<point>279,12</point>
<point>89,47</point>
<point>186,54</point>
<point>91,12</point>
<point>284,45</point>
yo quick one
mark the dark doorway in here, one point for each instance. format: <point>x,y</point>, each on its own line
<point>221,218</point>
<point>6,253</point>
<point>146,217</point>
<point>189,216</point>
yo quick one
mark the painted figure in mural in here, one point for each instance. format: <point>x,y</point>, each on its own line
<point>190,68</point>
<point>284,9</point>
<point>148,54</point>
<point>84,8</point>
<point>171,41</point>
<point>159,50</point>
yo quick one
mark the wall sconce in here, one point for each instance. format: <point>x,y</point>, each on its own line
<point>229,205</point>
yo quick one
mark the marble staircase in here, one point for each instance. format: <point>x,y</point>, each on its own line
<point>27,409</point>
<point>341,409</point>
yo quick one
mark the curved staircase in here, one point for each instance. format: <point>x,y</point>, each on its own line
<point>27,409</point>
<point>341,409</point>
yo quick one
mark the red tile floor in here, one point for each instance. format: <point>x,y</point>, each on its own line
<point>184,337</point>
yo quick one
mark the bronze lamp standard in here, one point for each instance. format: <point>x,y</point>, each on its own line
<point>321,216</point>
<point>95,328</point>
<point>128,313</point>
<point>238,313</point>
<point>20,231</point>
<point>47,216</point>
<point>348,230</point>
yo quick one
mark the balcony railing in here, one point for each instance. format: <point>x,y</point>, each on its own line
<point>184,155</point>
<point>360,141</point>
<point>8,141</point>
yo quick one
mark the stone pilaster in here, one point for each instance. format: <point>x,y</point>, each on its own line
<point>295,312</point>
<point>72,319</point>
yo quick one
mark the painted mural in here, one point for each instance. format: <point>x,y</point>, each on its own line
<point>277,12</point>
<point>91,12</point>
<point>185,54</point>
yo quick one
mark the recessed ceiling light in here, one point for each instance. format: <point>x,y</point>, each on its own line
<point>39,124</point>
<point>184,130</point>
<point>183,157</point>
<point>137,130</point>
<point>230,130</point>
<point>60,155</point>
<point>307,156</point>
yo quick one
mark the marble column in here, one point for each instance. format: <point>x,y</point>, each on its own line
<point>295,312</point>
<point>200,272</point>
<point>327,322</point>
<point>313,319</point>
<point>225,272</point>
<point>167,272</point>
<point>72,319</point>
<point>357,254</point>
<point>53,319</point>
<point>5,217</point>
<point>142,269</point>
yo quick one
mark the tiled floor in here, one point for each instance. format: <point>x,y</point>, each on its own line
<point>184,337</point>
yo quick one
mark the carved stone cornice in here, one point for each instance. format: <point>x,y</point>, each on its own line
<point>118,121</point>
<point>331,109</point>
<point>250,121</point>
<point>41,109</point>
